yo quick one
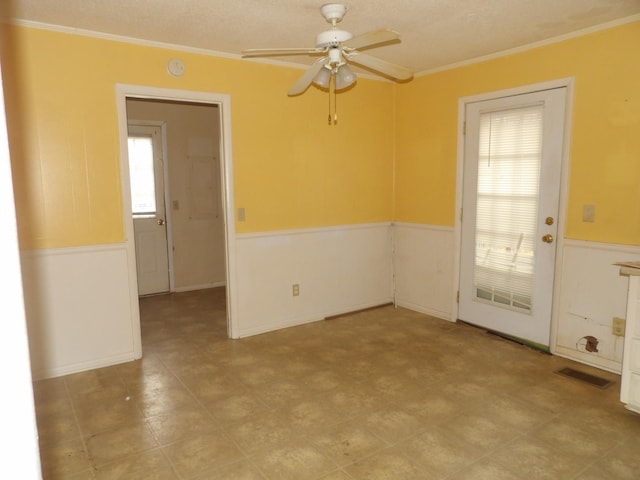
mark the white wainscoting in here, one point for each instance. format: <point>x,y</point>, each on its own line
<point>79,309</point>
<point>592,292</point>
<point>338,269</point>
<point>423,264</point>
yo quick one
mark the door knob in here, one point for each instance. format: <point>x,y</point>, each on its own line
<point>161,221</point>
<point>548,238</point>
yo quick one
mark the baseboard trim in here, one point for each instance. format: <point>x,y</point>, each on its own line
<point>360,310</point>
<point>427,311</point>
<point>82,366</point>
<point>203,286</point>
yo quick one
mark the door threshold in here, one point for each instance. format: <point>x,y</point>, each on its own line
<point>511,338</point>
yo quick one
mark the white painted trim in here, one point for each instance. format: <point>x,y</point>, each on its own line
<point>306,231</point>
<point>532,46</point>
<point>48,252</point>
<point>568,83</point>
<point>613,247</point>
<point>124,91</point>
<point>191,288</point>
<point>424,226</point>
<point>563,200</point>
<point>83,366</point>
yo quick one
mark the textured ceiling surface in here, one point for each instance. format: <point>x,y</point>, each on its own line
<point>434,33</point>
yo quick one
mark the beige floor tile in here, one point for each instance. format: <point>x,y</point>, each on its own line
<point>337,475</point>
<point>200,453</point>
<point>181,423</point>
<point>164,399</point>
<point>392,424</point>
<point>50,397</point>
<point>440,451</point>
<point>207,388</point>
<point>387,466</point>
<point>432,405</point>
<point>514,412</point>
<point>486,469</point>
<point>311,414</point>
<point>621,463</point>
<point>114,444</point>
<point>103,416</point>
<point>151,465</point>
<point>103,382</point>
<point>537,460</point>
<point>482,431</point>
<point>57,427</point>
<point>263,432</point>
<point>242,470</point>
<point>347,442</point>
<point>236,407</point>
<point>61,460</point>
<point>281,393</point>
<point>575,438</point>
<point>354,400</point>
<point>294,462</point>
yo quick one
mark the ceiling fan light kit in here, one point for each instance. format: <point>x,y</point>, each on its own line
<point>339,47</point>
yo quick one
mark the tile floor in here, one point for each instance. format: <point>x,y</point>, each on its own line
<point>383,394</point>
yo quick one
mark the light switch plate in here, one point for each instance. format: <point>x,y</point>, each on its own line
<point>589,213</point>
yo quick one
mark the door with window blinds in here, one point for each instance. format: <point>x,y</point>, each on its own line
<point>512,171</point>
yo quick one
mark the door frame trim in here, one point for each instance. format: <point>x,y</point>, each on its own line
<point>124,91</point>
<point>162,125</point>
<point>568,83</point>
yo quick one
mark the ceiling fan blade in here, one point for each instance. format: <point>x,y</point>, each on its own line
<point>305,80</point>
<point>386,68</point>
<point>270,52</point>
<point>372,38</point>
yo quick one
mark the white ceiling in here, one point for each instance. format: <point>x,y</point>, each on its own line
<point>435,33</point>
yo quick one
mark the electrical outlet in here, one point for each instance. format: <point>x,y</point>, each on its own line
<point>295,289</point>
<point>617,326</point>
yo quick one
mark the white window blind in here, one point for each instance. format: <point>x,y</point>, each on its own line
<point>507,208</point>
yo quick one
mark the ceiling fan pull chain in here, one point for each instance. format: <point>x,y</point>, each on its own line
<point>335,106</point>
<point>329,97</point>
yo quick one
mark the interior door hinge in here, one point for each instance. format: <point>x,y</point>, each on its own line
<point>464,127</point>
<point>458,297</point>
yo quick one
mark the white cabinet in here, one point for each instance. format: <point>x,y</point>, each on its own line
<point>630,387</point>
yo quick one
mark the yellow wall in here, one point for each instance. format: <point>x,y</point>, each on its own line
<point>291,169</point>
<point>605,144</point>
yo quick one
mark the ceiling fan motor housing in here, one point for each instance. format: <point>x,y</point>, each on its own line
<point>332,38</point>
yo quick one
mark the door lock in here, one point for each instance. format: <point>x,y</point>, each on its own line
<point>548,238</point>
<point>161,221</point>
<point>549,221</point>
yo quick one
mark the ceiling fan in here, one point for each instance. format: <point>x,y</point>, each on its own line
<point>338,48</point>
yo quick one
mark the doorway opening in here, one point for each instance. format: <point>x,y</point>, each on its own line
<point>194,213</point>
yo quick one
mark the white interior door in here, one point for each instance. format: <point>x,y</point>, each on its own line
<point>147,203</point>
<point>511,191</point>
